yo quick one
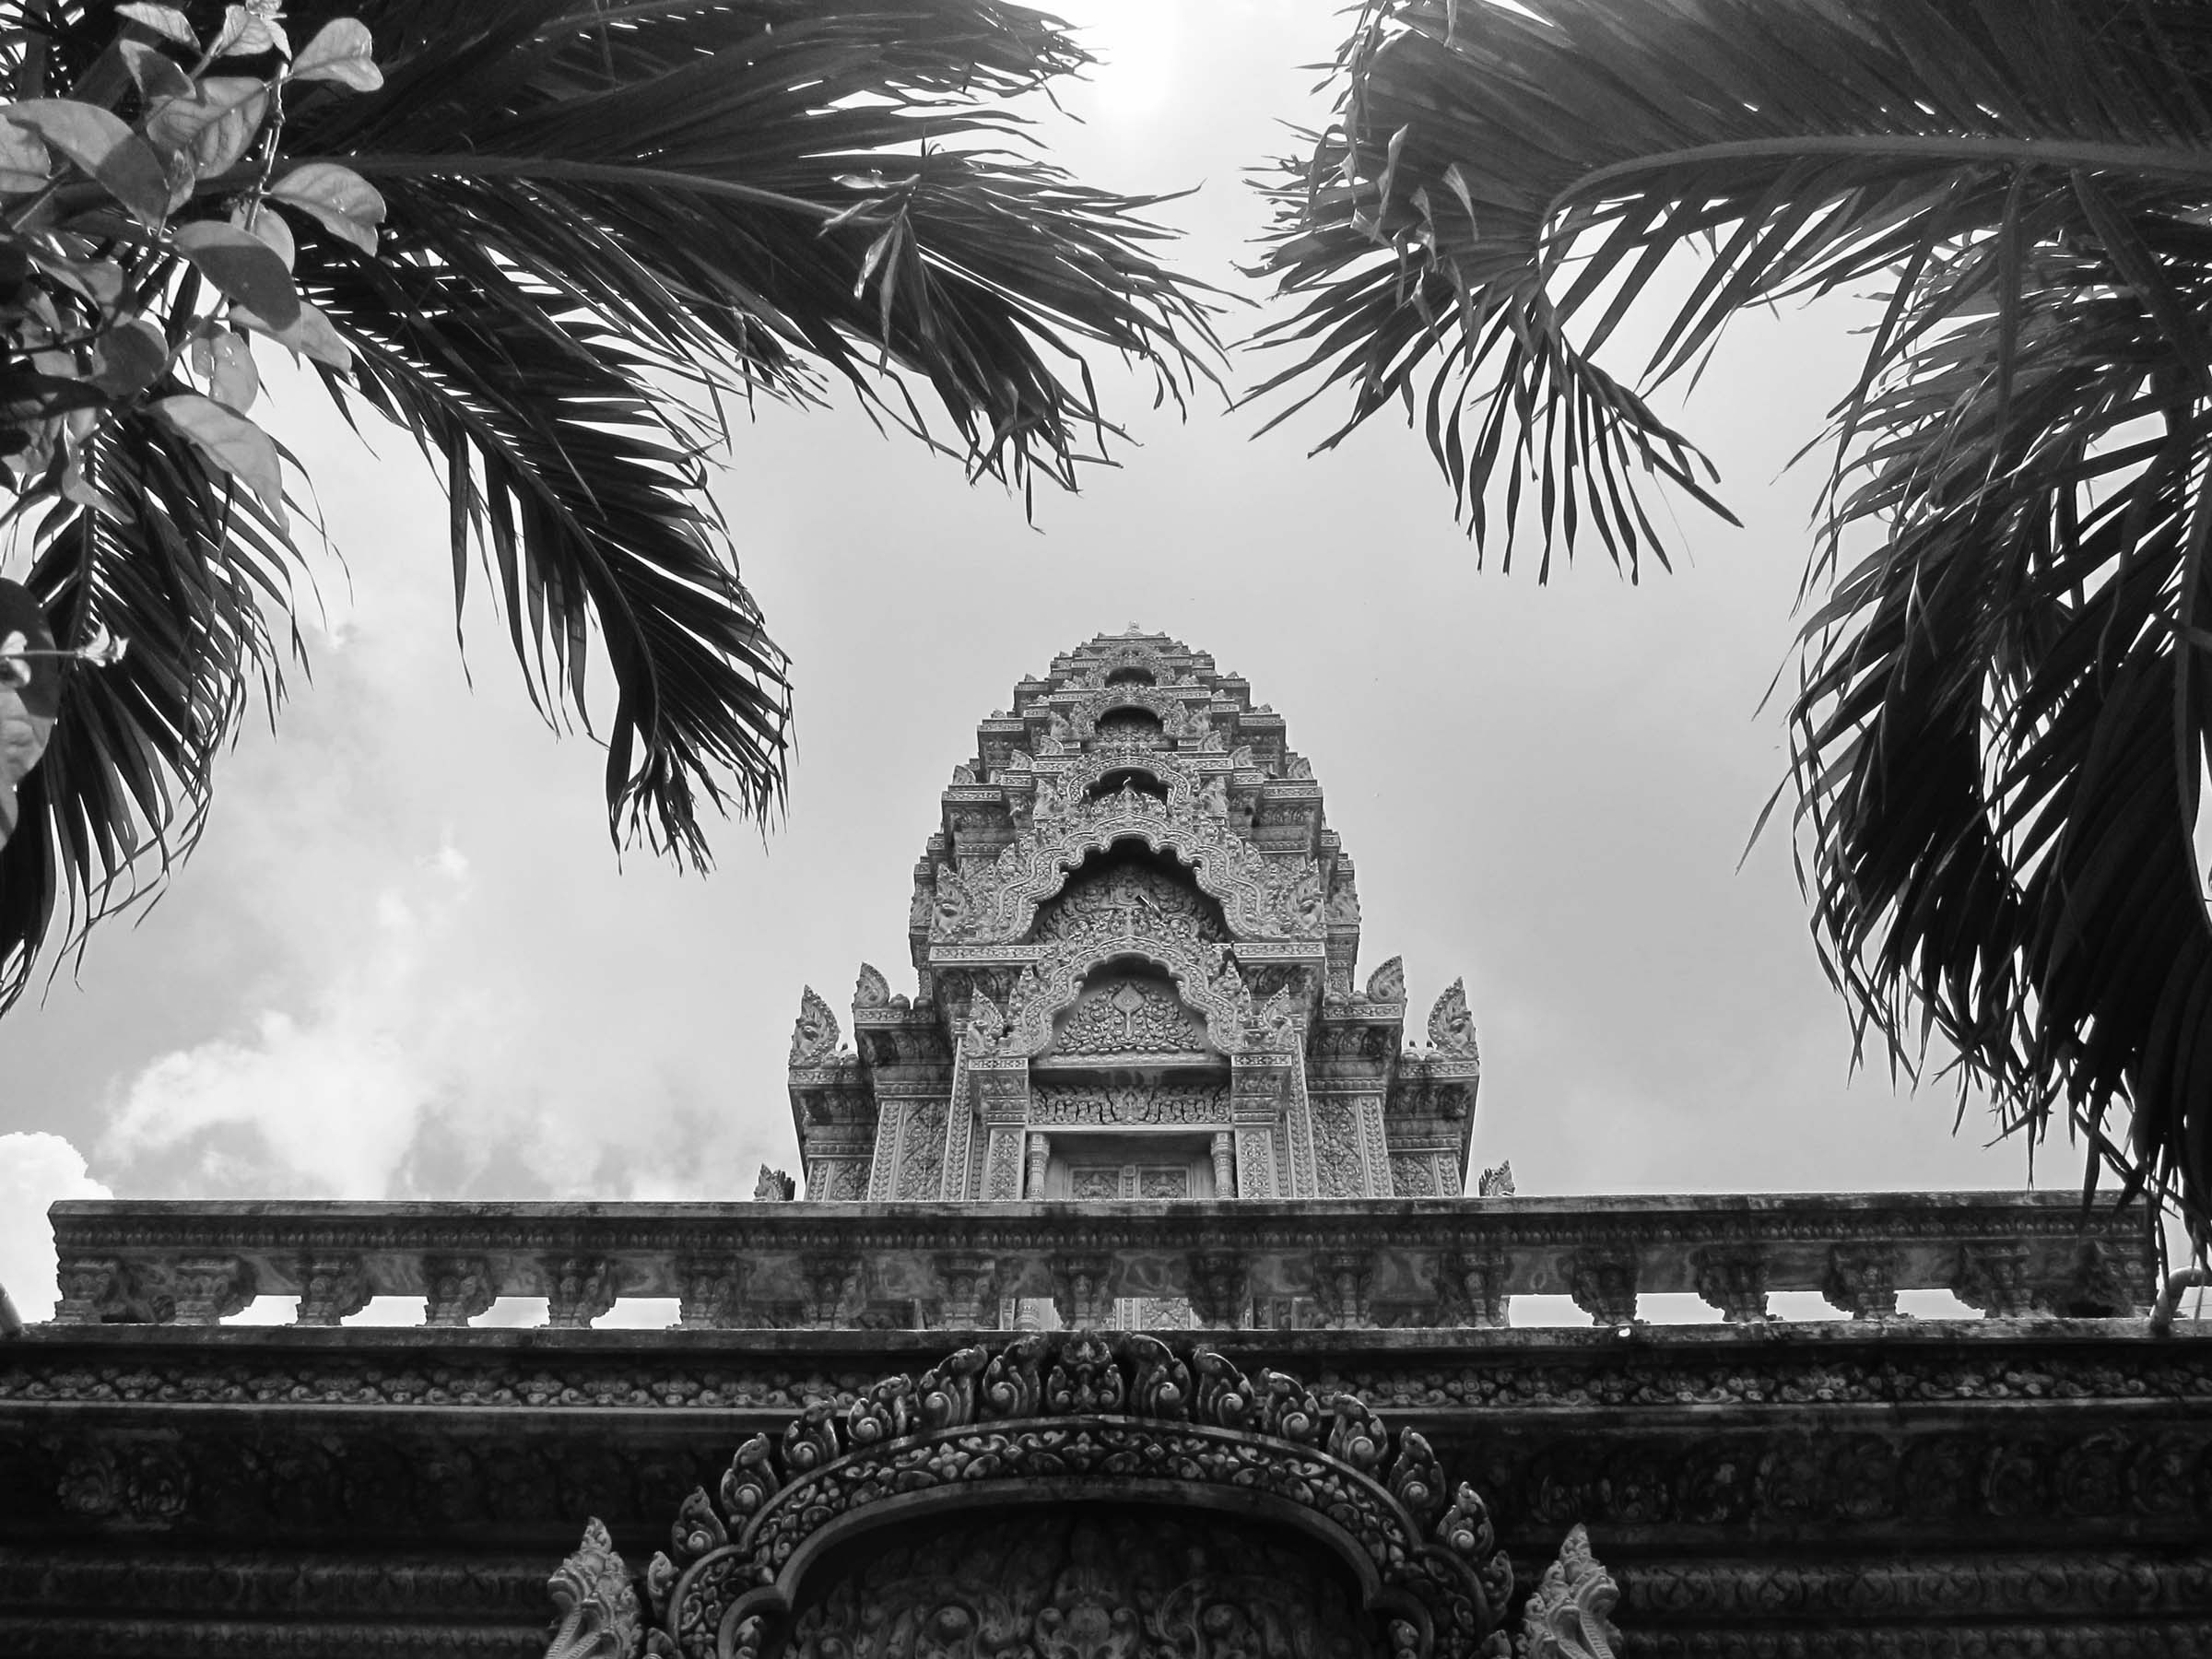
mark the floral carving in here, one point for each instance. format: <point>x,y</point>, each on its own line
<point>456,1290</point>
<point>1069,1105</point>
<point>1451,1026</point>
<point>1124,901</point>
<point>1095,1414</point>
<point>814,1039</point>
<point>1130,1015</point>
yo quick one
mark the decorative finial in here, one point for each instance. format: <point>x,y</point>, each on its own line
<point>1387,983</point>
<point>1496,1182</point>
<point>774,1187</point>
<point>873,991</point>
<point>1566,1619</point>
<point>1451,1026</point>
<point>814,1039</point>
<point>598,1608</point>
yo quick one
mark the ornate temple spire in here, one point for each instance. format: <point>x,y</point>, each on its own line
<point>1134,940</point>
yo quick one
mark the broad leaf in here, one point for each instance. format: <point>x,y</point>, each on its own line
<point>234,444</point>
<point>348,206</point>
<point>244,268</point>
<point>341,52</point>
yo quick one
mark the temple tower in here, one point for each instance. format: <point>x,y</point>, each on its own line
<point>1135,939</point>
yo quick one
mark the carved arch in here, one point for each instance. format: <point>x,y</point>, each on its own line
<point>1263,899</point>
<point>1067,1419</point>
<point>1204,976</point>
<point>1177,717</point>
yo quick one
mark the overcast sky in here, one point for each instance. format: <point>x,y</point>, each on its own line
<point>405,962</point>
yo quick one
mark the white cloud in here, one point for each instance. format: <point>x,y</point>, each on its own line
<point>35,1171</point>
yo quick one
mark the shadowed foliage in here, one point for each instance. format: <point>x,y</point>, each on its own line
<point>2001,721</point>
<point>603,224</point>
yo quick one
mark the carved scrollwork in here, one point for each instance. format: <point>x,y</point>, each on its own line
<point>1082,1416</point>
<point>1387,983</point>
<point>873,991</point>
<point>1206,976</point>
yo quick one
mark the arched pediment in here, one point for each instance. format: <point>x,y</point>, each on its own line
<point>1263,898</point>
<point>1057,1426</point>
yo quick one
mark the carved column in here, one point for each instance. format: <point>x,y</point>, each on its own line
<point>1225,1164</point>
<point>1256,1084</point>
<point>1992,1276</point>
<point>711,1292</point>
<point>1220,1287</point>
<point>1862,1280</point>
<point>456,1290</point>
<point>830,1287</point>
<point>1001,1087</point>
<point>90,1286</point>
<point>1033,1170</point>
<point>1081,1290</point>
<point>1733,1279</point>
<point>883,1171</point>
<point>1603,1283</point>
<point>1342,1282</point>
<point>209,1288</point>
<point>331,1287</point>
<point>1470,1290</point>
<point>970,1283</point>
<point>578,1290</point>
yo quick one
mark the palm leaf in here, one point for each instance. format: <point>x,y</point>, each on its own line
<point>601,223</point>
<point>2003,713</point>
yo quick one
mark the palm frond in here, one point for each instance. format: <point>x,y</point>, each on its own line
<point>601,223</point>
<point>2003,715</point>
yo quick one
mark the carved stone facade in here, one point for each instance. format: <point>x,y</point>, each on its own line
<point>1126,1306</point>
<point>1133,878</point>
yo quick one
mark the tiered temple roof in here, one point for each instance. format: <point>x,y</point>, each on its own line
<point>1134,941</point>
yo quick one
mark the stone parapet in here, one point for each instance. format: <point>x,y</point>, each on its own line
<point>1358,1263</point>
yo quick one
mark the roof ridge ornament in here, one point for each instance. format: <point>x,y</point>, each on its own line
<point>1064,1419</point>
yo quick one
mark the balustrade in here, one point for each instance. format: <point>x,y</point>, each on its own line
<point>1441,1263</point>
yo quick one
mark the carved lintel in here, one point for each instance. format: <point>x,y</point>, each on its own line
<point>1567,1617</point>
<point>1343,1280</point>
<point>1733,1279</point>
<point>1603,1283</point>
<point>1862,1280</point>
<point>578,1289</point>
<point>1081,1292</point>
<point>711,1292</point>
<point>1470,1288</point>
<point>829,1291</point>
<point>91,1289</point>
<point>1992,1276</point>
<point>1221,1288</point>
<point>456,1290</point>
<point>969,1281</point>
<point>599,1617</point>
<point>332,1287</point>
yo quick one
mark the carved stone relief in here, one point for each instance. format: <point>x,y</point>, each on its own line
<point>1124,900</point>
<point>1127,1015</point>
<point>1119,1585</point>
<point>1069,1104</point>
